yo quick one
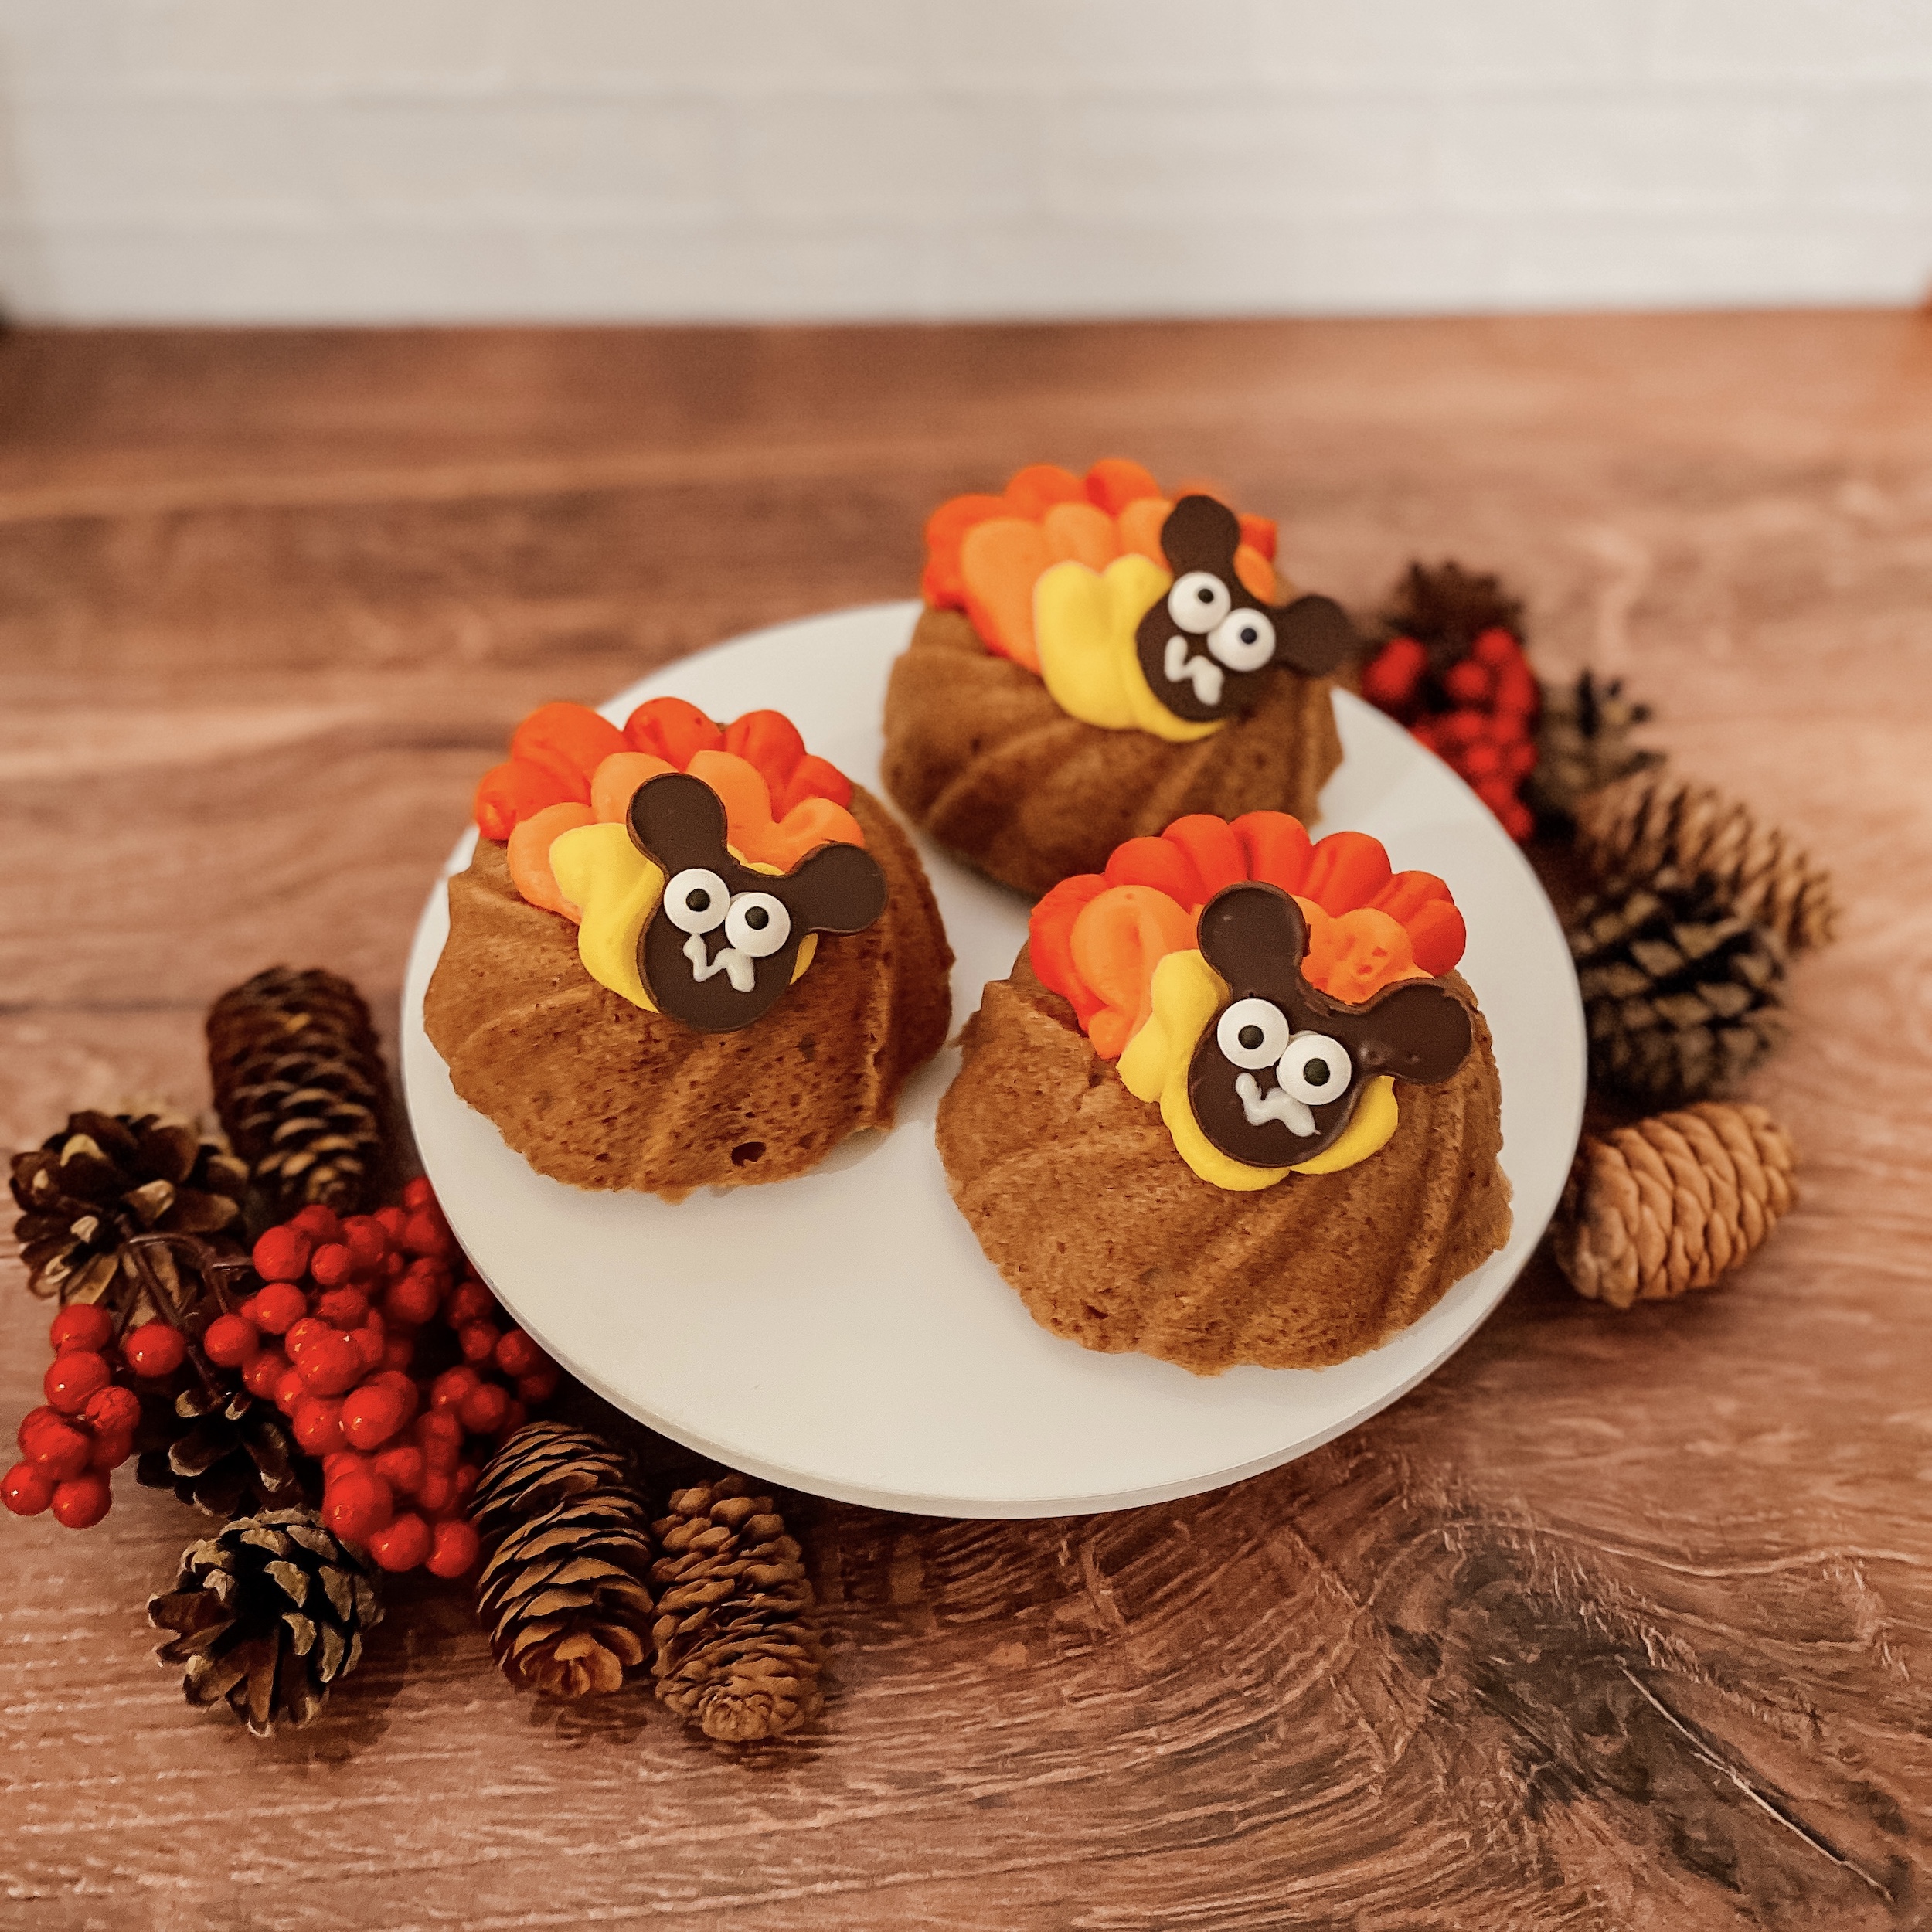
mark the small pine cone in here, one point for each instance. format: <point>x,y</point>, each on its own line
<point>1680,996</point>
<point>221,1450</point>
<point>301,1087</point>
<point>105,1178</point>
<point>1447,609</point>
<point>564,1594</point>
<point>1671,1203</point>
<point>736,1654</point>
<point>1650,821</point>
<point>269,1614</point>
<point>1582,744</point>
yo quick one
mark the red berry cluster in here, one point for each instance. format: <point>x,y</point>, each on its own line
<point>343,1337</point>
<point>1479,716</point>
<point>86,1428</point>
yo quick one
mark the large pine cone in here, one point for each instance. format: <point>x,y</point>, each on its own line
<point>563,1595</point>
<point>1680,994</point>
<point>269,1615</point>
<point>1651,822</point>
<point>736,1653</point>
<point>301,1090</point>
<point>223,1451</point>
<point>106,1178</point>
<point>980,757</point>
<point>1583,743</point>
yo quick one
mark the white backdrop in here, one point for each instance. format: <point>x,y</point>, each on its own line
<point>370,160</point>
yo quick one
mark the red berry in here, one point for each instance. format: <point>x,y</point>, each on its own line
<point>320,1223</point>
<point>297,1341</point>
<point>155,1349</point>
<point>230,1341</point>
<point>482,1410</point>
<point>115,1411</point>
<point>1519,761</point>
<point>1495,792</point>
<point>1517,821</point>
<point>1480,760</point>
<point>331,1364</point>
<point>517,1354</point>
<point>359,1505</point>
<point>372,1414</point>
<point>1516,690</point>
<point>399,1350</point>
<point>112,1448</point>
<point>332,1266</point>
<point>342,1308</point>
<point>402,1467</point>
<point>427,1233</point>
<point>371,1345</point>
<point>471,1302</point>
<point>57,1447</point>
<point>84,1325</point>
<point>453,1549</point>
<point>539,1385</point>
<point>1495,646</point>
<point>27,1490</point>
<point>436,1493</point>
<point>73,1380</point>
<point>282,1255</point>
<point>1468,682</point>
<point>467,1476</point>
<point>449,1388</point>
<point>1391,678</point>
<point>263,1372</point>
<point>291,1390</point>
<point>318,1424</point>
<point>278,1307</point>
<point>81,1501</point>
<point>418,1193</point>
<point>368,1242</point>
<point>478,1340</point>
<point>404,1544</point>
<point>412,1300</point>
<point>338,1462</point>
<point>392,1220</point>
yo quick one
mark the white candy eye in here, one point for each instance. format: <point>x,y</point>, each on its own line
<point>1244,642</point>
<point>1315,1069</point>
<point>757,924</point>
<point>1252,1032</point>
<point>1198,602</point>
<point>696,901</point>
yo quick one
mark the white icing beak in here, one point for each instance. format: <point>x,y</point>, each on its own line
<point>739,967</point>
<point>1203,673</point>
<point>1274,1105</point>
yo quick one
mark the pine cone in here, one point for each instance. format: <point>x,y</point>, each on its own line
<point>1582,743</point>
<point>1447,609</point>
<point>269,1614</point>
<point>1649,821</point>
<point>1680,995</point>
<point>735,1654</point>
<point>300,1088</point>
<point>218,1448</point>
<point>564,1594</point>
<point>106,1178</point>
<point>1672,1202</point>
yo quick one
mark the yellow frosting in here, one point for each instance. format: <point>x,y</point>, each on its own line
<point>1084,624</point>
<point>600,869</point>
<point>1187,993</point>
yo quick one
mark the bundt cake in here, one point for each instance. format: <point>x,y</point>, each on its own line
<point>1094,660</point>
<point>684,955</point>
<point>1233,1104</point>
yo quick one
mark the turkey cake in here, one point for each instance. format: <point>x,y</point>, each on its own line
<point>684,954</point>
<point>1095,660</point>
<point>1234,1104</point>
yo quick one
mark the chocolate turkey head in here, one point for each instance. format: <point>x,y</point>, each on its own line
<point>722,944</point>
<point>1207,647</point>
<point>1275,1078</point>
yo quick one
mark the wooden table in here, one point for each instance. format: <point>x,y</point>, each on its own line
<point>1619,1620</point>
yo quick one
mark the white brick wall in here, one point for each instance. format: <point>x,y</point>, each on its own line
<point>368,160</point>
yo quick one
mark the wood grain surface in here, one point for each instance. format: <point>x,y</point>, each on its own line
<point>1617,1621</point>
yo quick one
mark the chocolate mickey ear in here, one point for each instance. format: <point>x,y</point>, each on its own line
<point>1313,636</point>
<point>1200,534</point>
<point>1419,1032</point>
<point>838,889</point>
<point>678,820</point>
<point>1253,934</point>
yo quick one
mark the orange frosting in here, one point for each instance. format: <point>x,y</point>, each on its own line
<point>1096,939</point>
<point>984,554</point>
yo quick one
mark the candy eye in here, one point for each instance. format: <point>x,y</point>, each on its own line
<point>696,901</point>
<point>1244,642</point>
<point>1315,1069</point>
<point>1199,601</point>
<point>757,924</point>
<point>1252,1032</point>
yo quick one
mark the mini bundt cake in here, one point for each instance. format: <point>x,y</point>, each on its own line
<point>1095,660</point>
<point>684,955</point>
<point>1233,1105</point>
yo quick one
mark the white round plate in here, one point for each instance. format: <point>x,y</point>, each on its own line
<point>841,1333</point>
